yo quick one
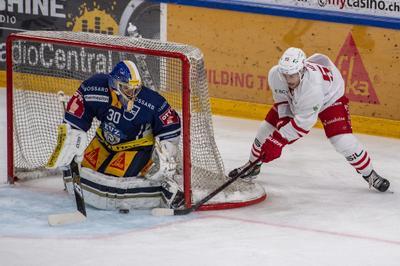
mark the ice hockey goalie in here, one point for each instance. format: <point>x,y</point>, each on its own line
<point>132,160</point>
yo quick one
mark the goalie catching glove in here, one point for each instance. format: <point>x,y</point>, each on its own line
<point>70,143</point>
<point>167,151</point>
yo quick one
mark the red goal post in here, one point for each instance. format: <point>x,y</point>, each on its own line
<point>40,63</point>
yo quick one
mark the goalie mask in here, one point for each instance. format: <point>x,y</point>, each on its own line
<point>125,80</point>
<point>290,64</point>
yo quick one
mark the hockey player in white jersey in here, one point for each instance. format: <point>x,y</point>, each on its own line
<point>305,89</point>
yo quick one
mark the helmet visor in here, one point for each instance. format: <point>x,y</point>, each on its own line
<point>128,90</point>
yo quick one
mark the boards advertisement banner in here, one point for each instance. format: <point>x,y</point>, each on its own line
<point>379,8</point>
<point>101,16</point>
<point>240,48</point>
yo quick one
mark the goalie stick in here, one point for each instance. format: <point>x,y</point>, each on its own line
<point>80,214</point>
<point>170,212</point>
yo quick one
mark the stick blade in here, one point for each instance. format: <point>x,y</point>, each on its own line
<point>170,212</point>
<point>162,212</point>
<point>66,218</point>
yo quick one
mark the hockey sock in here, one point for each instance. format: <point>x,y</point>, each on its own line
<point>353,150</point>
<point>263,132</point>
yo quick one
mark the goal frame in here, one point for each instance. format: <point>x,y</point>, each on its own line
<point>185,98</point>
<point>186,115</point>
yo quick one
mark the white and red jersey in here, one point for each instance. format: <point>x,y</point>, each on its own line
<point>321,85</point>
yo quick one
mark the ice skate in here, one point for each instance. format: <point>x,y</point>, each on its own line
<point>249,175</point>
<point>379,183</point>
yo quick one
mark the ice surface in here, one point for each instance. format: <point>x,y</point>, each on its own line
<point>318,212</point>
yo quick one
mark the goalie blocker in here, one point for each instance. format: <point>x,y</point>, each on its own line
<point>70,143</point>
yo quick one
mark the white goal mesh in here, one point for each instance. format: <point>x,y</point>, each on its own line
<point>44,63</point>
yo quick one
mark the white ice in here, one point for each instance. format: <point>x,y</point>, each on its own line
<point>318,212</point>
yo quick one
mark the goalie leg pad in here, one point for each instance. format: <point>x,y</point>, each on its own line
<point>109,193</point>
<point>173,194</point>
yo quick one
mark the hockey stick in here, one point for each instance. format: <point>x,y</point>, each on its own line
<point>80,214</point>
<point>63,101</point>
<point>170,212</point>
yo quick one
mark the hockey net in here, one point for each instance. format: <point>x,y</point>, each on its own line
<point>41,63</point>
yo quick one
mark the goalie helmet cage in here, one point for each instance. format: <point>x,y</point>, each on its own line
<point>41,63</point>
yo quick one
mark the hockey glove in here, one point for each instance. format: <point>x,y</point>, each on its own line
<point>272,147</point>
<point>167,151</point>
<point>70,143</point>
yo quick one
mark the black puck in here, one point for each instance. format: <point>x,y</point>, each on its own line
<point>123,210</point>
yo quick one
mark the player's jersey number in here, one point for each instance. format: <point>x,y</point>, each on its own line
<point>326,73</point>
<point>113,116</point>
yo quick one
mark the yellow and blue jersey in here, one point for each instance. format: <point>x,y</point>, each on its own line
<point>150,117</point>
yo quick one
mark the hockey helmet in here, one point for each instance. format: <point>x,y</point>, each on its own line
<point>292,61</point>
<point>126,81</point>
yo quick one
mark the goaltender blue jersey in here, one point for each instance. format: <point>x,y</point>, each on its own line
<point>150,117</point>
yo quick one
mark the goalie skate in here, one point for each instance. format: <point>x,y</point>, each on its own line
<point>173,194</point>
